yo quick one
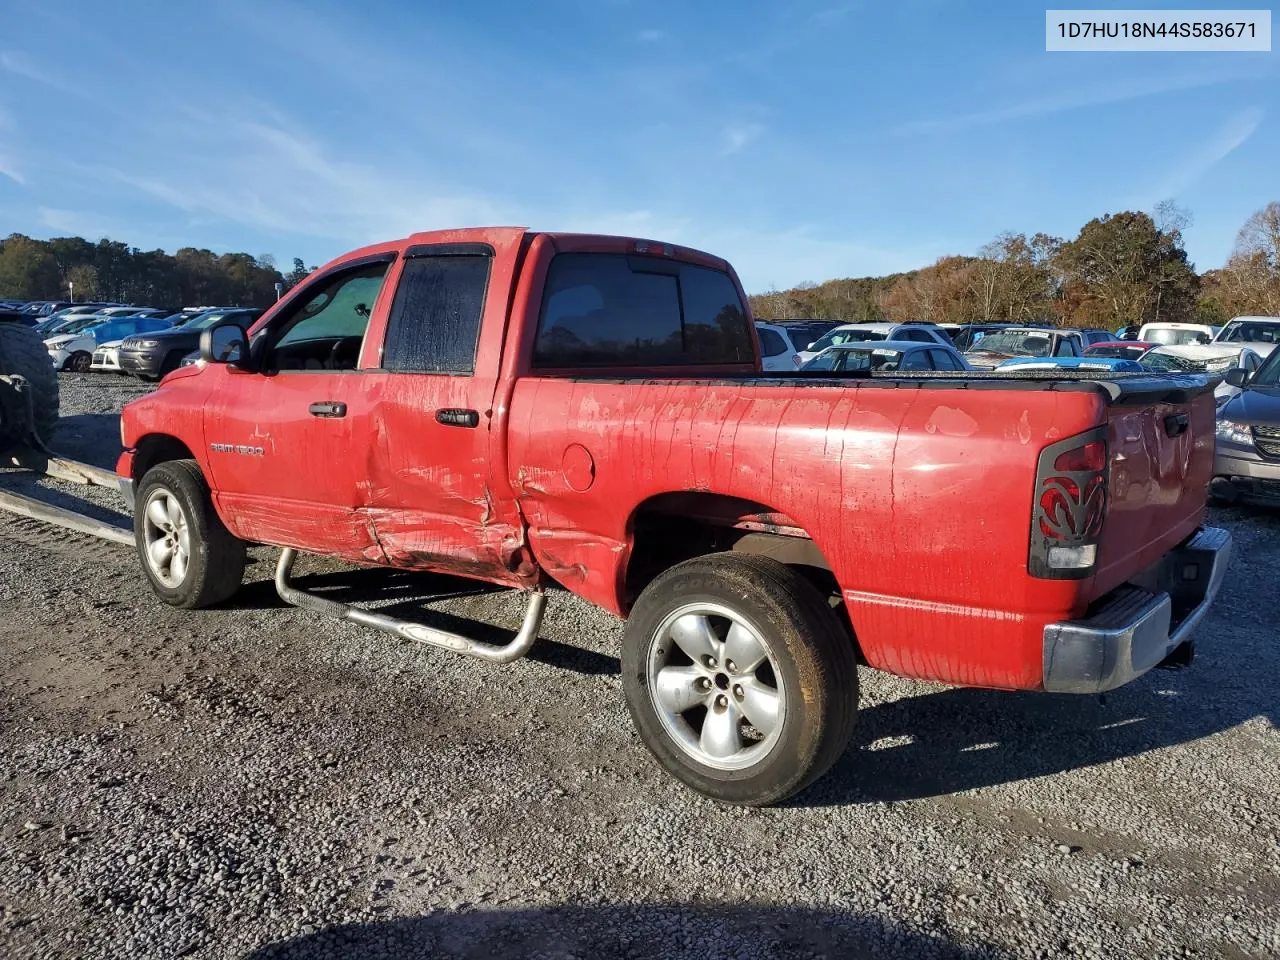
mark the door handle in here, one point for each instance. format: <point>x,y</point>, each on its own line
<point>457,417</point>
<point>328,408</point>
<point>1176,424</point>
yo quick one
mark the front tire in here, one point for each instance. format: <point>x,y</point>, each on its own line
<point>189,557</point>
<point>79,362</point>
<point>739,677</point>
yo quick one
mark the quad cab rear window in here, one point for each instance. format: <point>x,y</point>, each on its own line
<point>619,310</point>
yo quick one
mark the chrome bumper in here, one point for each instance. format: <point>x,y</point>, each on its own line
<point>1141,623</point>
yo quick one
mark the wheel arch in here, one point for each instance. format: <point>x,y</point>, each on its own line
<point>156,448</point>
<point>669,528</point>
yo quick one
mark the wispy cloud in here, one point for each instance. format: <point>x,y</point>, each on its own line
<point>70,223</point>
<point>1225,140</point>
<point>9,169</point>
<point>275,177</point>
<point>650,36</point>
<point>1090,96</point>
<point>737,136</point>
<point>17,63</point>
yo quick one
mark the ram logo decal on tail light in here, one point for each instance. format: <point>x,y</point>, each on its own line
<point>1069,507</point>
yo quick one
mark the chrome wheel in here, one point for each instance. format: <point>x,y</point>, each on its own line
<point>713,680</point>
<point>167,537</point>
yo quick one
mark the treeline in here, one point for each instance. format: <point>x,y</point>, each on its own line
<point>1122,269</point>
<point>112,271</point>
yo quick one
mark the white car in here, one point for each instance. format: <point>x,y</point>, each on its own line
<point>777,352</point>
<point>107,358</point>
<point>888,356</point>
<point>1215,361</point>
<point>1260,334</point>
<point>869,332</point>
<point>71,351</point>
<point>1177,334</point>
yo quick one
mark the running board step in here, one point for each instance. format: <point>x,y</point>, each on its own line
<point>418,632</point>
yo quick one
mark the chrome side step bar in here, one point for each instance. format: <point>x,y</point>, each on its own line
<point>420,633</point>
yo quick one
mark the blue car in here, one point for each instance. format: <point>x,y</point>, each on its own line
<point>1092,364</point>
<point>74,350</point>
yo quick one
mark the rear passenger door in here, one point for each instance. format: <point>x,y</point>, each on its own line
<point>435,495</point>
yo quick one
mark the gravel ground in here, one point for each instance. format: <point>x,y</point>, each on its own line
<point>257,782</point>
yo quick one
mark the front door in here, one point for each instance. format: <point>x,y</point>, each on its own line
<point>289,442</point>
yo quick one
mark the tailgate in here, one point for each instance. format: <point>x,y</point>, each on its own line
<point>1160,443</point>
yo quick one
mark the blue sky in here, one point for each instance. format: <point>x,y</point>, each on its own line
<point>803,141</point>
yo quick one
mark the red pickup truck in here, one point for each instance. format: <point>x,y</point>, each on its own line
<point>534,409</point>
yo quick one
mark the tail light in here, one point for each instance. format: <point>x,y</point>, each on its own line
<point>1070,506</point>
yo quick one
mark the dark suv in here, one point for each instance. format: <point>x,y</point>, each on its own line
<point>149,356</point>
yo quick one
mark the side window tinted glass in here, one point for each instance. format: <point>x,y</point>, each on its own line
<point>435,320</point>
<point>916,360</point>
<point>771,344</point>
<point>602,310</point>
<point>325,329</point>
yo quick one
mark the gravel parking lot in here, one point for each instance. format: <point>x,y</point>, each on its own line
<point>255,781</point>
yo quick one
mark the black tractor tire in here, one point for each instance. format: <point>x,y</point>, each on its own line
<point>215,559</point>
<point>23,353</point>
<point>811,663</point>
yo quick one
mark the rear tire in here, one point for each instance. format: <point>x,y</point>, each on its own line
<point>189,557</point>
<point>23,353</point>
<point>751,731</point>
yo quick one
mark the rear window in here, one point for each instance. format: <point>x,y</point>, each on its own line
<point>615,310</point>
<point>837,337</point>
<point>871,359</point>
<point>1172,336</point>
<point>771,345</point>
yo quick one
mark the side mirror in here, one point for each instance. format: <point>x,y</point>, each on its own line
<point>812,346</point>
<point>1237,376</point>
<point>224,343</point>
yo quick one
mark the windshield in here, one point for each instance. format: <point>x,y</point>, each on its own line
<point>1118,351</point>
<point>1167,363</point>
<point>1018,343</point>
<point>1172,336</point>
<point>857,358</point>
<point>1250,331</point>
<point>837,337</point>
<point>202,320</point>
<point>76,324</point>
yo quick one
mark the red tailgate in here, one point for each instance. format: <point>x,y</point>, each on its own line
<point>1161,454</point>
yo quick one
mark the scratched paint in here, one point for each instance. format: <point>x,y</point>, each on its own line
<point>919,499</point>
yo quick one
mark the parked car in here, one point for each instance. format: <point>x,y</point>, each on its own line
<point>969,334</point>
<point>1185,360</point>
<point>616,435</point>
<point>152,356</point>
<point>805,332</point>
<point>1109,364</point>
<point>1093,335</point>
<point>1121,349</point>
<point>995,348</point>
<point>1177,334</point>
<point>777,351</point>
<point>106,358</point>
<point>74,350</point>
<point>1260,334</point>
<point>869,332</point>
<point>887,356</point>
<point>1247,461</point>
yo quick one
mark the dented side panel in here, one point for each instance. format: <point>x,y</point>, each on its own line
<point>919,499</point>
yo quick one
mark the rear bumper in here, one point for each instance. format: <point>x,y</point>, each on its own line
<point>1139,625</point>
